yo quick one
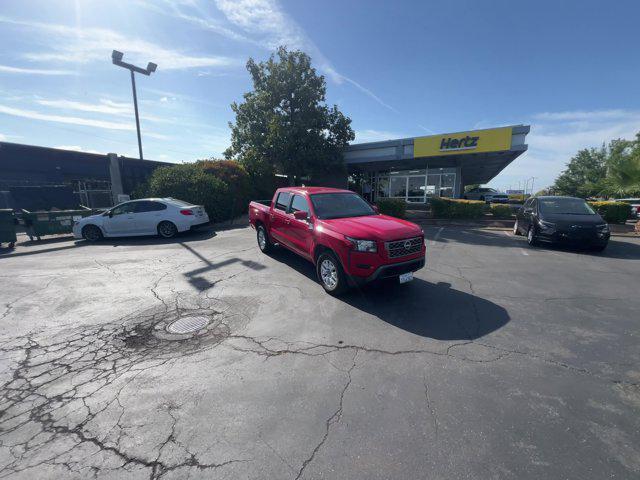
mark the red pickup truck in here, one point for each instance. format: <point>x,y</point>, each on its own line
<point>341,234</point>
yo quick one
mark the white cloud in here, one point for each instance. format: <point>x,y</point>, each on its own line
<point>371,135</point>
<point>555,137</point>
<point>76,148</point>
<point>273,27</point>
<point>86,44</point>
<point>87,122</point>
<point>34,71</point>
<point>3,138</point>
<point>104,106</point>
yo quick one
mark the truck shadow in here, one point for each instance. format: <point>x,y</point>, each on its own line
<point>433,310</point>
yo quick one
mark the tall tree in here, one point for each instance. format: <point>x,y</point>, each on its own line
<point>584,175</point>
<point>284,126</point>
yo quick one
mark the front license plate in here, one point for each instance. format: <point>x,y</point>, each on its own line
<point>406,277</point>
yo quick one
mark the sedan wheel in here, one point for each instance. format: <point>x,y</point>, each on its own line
<point>91,233</point>
<point>167,229</point>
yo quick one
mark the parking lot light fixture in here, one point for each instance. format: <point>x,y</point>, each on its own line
<point>116,58</point>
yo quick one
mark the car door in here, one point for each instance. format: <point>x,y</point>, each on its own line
<point>120,220</point>
<point>526,215</point>
<point>279,218</point>
<point>300,232</point>
<point>148,215</point>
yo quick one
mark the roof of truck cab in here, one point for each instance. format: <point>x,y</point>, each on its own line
<point>313,190</point>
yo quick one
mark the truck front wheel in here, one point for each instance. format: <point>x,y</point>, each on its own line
<point>330,274</point>
<point>264,243</point>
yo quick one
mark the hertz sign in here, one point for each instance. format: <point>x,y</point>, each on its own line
<point>477,141</point>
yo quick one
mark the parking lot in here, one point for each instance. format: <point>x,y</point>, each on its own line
<point>498,361</point>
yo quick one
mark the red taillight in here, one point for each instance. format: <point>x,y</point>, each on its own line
<point>186,212</point>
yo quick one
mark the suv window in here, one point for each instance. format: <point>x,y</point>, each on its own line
<point>149,206</point>
<point>282,201</point>
<point>299,204</point>
<point>124,208</point>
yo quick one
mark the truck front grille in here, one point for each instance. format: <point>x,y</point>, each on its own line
<point>402,248</point>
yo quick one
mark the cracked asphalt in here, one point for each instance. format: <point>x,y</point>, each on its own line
<point>497,361</point>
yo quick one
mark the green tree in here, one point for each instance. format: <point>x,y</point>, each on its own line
<point>284,126</point>
<point>585,173</point>
<point>623,168</point>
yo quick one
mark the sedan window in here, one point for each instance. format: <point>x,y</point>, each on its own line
<point>124,208</point>
<point>149,206</point>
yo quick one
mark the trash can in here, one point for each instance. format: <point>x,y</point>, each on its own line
<point>7,227</point>
<point>53,222</point>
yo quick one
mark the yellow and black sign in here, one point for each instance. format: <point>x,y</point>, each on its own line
<point>476,141</point>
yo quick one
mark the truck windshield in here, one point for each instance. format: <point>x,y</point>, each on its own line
<point>340,205</point>
<point>571,206</point>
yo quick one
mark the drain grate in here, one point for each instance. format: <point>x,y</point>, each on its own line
<point>187,325</point>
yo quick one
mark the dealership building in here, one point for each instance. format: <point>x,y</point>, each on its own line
<point>415,169</point>
<point>412,169</point>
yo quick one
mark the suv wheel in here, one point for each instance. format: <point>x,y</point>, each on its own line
<point>531,236</point>
<point>330,274</point>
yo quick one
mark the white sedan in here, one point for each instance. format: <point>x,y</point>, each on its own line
<point>148,216</point>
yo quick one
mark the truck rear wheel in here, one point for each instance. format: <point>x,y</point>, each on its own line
<point>330,274</point>
<point>264,243</point>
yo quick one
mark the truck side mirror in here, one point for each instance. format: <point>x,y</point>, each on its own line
<point>300,215</point>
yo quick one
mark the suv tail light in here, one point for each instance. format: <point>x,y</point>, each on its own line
<point>186,211</point>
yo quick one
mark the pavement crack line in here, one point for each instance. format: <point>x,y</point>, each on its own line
<point>9,305</point>
<point>431,408</point>
<point>333,419</point>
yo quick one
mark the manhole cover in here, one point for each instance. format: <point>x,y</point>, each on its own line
<point>187,325</point>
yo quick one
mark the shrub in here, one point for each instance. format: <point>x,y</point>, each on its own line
<point>501,211</point>
<point>237,179</point>
<point>393,207</point>
<point>456,208</point>
<point>612,212</point>
<point>191,183</point>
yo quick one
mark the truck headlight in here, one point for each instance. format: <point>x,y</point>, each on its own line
<point>363,245</point>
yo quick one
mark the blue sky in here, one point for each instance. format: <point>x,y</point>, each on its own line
<point>570,69</point>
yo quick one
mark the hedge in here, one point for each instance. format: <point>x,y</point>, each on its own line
<point>456,208</point>
<point>393,207</point>
<point>501,211</point>
<point>612,212</point>
<point>191,183</point>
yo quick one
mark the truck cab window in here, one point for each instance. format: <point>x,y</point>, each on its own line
<point>299,204</point>
<point>282,202</point>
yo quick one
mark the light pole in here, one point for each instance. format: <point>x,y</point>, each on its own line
<point>116,58</point>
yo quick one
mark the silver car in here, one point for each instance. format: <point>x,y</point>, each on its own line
<point>486,194</point>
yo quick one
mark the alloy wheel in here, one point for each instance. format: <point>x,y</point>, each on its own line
<point>329,274</point>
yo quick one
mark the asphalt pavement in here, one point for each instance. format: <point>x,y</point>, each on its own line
<point>498,361</point>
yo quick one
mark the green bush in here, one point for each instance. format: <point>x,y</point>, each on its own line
<point>235,176</point>
<point>501,211</point>
<point>456,208</point>
<point>191,183</point>
<point>612,212</point>
<point>393,207</point>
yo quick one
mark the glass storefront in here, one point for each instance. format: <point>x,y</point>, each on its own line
<point>415,186</point>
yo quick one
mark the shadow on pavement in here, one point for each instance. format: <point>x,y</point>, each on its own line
<point>193,236</point>
<point>433,310</point>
